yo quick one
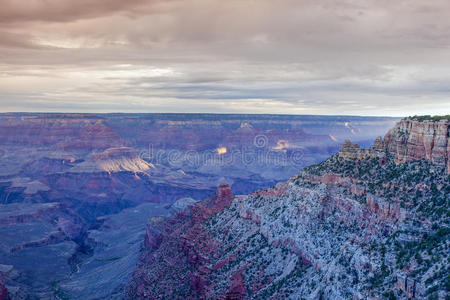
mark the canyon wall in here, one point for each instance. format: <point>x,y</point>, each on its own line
<point>409,140</point>
<point>413,140</point>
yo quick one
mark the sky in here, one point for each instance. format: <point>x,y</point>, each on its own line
<point>352,57</point>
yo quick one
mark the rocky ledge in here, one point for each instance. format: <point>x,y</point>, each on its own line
<point>411,139</point>
<point>353,151</point>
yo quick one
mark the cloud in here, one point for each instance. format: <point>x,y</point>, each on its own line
<point>16,40</point>
<point>305,55</point>
<point>62,10</point>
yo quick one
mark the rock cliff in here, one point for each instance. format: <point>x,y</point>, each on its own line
<point>353,151</point>
<point>179,251</point>
<point>409,140</point>
<point>413,140</point>
<point>363,224</point>
<point>114,160</point>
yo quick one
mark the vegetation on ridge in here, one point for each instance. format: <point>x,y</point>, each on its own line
<point>429,118</point>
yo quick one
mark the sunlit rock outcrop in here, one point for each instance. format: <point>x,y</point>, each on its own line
<point>115,160</point>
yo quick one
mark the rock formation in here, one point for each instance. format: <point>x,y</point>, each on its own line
<point>181,250</point>
<point>114,160</point>
<point>408,140</point>
<point>353,151</point>
<point>363,224</point>
<point>414,140</point>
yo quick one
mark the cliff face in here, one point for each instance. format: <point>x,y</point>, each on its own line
<point>413,140</point>
<point>360,225</point>
<point>409,140</point>
<point>121,159</point>
<point>179,251</point>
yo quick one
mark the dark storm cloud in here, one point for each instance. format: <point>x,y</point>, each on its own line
<point>304,56</point>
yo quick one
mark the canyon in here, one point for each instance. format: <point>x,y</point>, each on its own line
<point>77,190</point>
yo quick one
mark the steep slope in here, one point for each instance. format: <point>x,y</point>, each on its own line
<point>414,139</point>
<point>364,223</point>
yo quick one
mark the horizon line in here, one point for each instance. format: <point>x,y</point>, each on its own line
<point>198,113</point>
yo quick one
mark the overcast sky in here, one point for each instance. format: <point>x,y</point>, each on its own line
<point>356,57</point>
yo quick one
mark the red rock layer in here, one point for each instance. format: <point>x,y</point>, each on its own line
<point>409,140</point>
<point>413,140</point>
<point>188,269</point>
